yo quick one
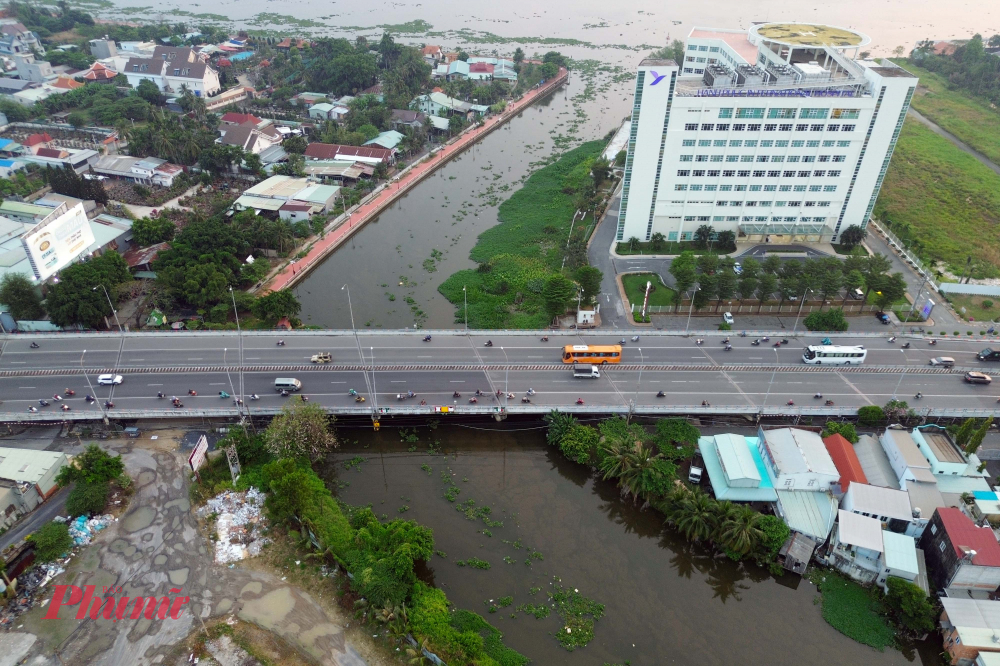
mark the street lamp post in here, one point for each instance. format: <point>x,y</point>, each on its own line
<point>642,362</point>
<point>690,311</point>
<point>465,299</point>
<point>374,394</point>
<point>239,333</point>
<point>230,378</point>
<point>113,311</point>
<point>92,391</point>
<point>919,291</point>
<point>506,373</point>
<point>799,313</point>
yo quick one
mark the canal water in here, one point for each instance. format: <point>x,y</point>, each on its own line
<point>666,601</point>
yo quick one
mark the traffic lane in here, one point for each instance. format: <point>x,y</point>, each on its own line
<point>18,355</point>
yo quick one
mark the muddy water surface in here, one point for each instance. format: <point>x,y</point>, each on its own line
<point>666,601</point>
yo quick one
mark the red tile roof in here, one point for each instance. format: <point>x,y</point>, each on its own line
<point>963,532</point>
<point>56,153</point>
<point>233,118</point>
<point>328,151</point>
<point>66,83</point>
<point>36,139</point>
<point>481,67</point>
<point>431,50</point>
<point>99,73</point>
<point>846,460</point>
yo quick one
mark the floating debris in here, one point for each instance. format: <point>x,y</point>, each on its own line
<point>239,524</point>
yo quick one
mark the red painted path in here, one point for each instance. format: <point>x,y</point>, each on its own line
<point>373,207</point>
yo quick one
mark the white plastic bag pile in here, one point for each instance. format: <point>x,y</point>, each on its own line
<point>239,524</point>
<point>83,530</point>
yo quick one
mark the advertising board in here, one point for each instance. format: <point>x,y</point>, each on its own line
<point>56,241</point>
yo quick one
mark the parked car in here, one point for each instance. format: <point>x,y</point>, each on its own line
<point>738,268</point>
<point>977,378</point>
<point>109,380</point>
<point>989,355</point>
<point>694,475</point>
<point>728,318</point>
<point>945,361</point>
<point>882,317</point>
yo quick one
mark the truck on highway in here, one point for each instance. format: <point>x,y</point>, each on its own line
<point>586,370</point>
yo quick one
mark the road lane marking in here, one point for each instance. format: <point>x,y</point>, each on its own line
<point>456,381</point>
<point>25,387</point>
<point>194,359</point>
<point>218,384</point>
<point>397,381</point>
<point>338,382</point>
<point>154,384</point>
<point>855,389</point>
<point>252,358</point>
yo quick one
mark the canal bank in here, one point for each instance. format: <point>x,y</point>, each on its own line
<point>373,205</point>
<point>667,601</point>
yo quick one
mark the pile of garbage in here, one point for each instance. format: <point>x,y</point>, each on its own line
<point>30,588</point>
<point>83,530</point>
<point>239,524</point>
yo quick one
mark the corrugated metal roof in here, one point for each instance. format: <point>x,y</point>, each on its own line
<point>947,483</point>
<point>277,186</point>
<point>969,614</point>
<point>907,449</point>
<point>900,552</point>
<point>257,203</point>
<point>736,458</point>
<point>875,462</point>
<point>319,194</point>
<point>27,465</point>
<point>722,490</point>
<point>881,501</point>
<point>799,451</point>
<point>811,513</point>
<point>845,459</point>
<point>860,531</point>
<point>924,496</point>
<point>963,532</point>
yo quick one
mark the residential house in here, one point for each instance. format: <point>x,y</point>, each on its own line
<point>8,167</point>
<point>249,137</point>
<point>103,48</point>
<point>499,68</point>
<point>144,170</point>
<point>10,86</point>
<point>16,39</point>
<point>99,73</point>
<point>30,70</point>
<point>27,478</point>
<point>900,558</point>
<point>296,211</point>
<point>323,111</point>
<point>388,140</point>
<point>946,458</point>
<point>925,498</point>
<point>846,461</point>
<point>338,171</point>
<point>37,141</point>
<point>110,233</point>
<point>985,506</point>
<point>233,118</point>
<point>908,463</point>
<point>307,99</point>
<point>78,160</point>
<point>140,259</point>
<point>375,91</point>
<point>735,468</point>
<point>803,475</point>
<point>228,97</point>
<point>64,84</point>
<point>406,118</point>
<point>141,49</point>
<point>173,69</point>
<point>432,54</point>
<point>287,44</point>
<point>434,103</point>
<point>856,546</point>
<point>365,154</point>
<point>889,506</point>
<point>480,71</point>
<point>970,628</point>
<point>271,195</point>
<point>456,70</point>
<point>962,559</point>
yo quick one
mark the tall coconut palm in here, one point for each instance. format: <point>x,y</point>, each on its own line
<point>695,516</point>
<point>741,533</point>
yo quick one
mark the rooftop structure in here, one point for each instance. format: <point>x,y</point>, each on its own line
<point>332,151</point>
<point>811,513</point>
<point>860,531</point>
<point>882,503</point>
<point>965,537</point>
<point>797,459</point>
<point>735,469</point>
<point>875,463</point>
<point>808,34</point>
<point>845,459</point>
<point>900,552</point>
<point>971,628</point>
<point>388,140</point>
<point>30,466</point>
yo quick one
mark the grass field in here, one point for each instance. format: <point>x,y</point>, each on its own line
<point>974,307</point>
<point>853,611</point>
<point>668,248</point>
<point>635,289</point>
<point>948,200</point>
<point>970,119</point>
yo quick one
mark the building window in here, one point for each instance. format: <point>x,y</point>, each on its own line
<point>824,204</point>
<point>722,127</point>
<point>813,114</point>
<point>845,114</point>
<point>812,144</point>
<point>781,143</point>
<point>941,546</point>
<point>732,158</point>
<point>759,173</point>
<point>801,127</point>
<point>710,188</point>
<point>816,128</point>
<point>829,188</point>
<point>699,60</point>
<point>725,188</point>
<point>704,143</point>
<point>702,48</point>
<point>689,59</point>
<point>840,158</point>
<point>794,203</point>
<point>762,158</point>
<point>720,143</point>
<point>784,188</point>
<point>750,143</point>
<point>716,158</point>
<point>683,172</point>
<point>820,173</point>
<point>698,172</point>
<point>780,204</point>
<point>824,158</point>
<point>766,143</point>
<point>707,126</point>
<point>690,126</point>
<point>725,113</point>
<point>721,203</point>
<point>696,188</point>
<point>728,173</point>
<point>750,113</point>
<point>809,158</point>
<point>753,127</point>
<point>848,128</point>
<point>687,158</point>
<point>680,188</point>
<point>785,127</point>
<point>701,158</point>
<point>833,128</point>
<point>810,204</point>
<point>687,70</point>
<point>799,188</point>
<point>834,174</point>
<point>770,127</point>
<point>746,158</point>
<point>781,113</point>
<point>794,158</point>
<point>687,142</point>
<point>788,174</point>
<point>740,188</point>
<point>739,127</point>
<point>713,173</point>
<point>843,144</point>
<point>743,173</point>
<point>755,188</point>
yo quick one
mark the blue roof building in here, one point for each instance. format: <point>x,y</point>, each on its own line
<point>736,469</point>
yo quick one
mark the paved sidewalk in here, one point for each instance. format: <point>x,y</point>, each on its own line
<point>392,190</point>
<point>146,211</point>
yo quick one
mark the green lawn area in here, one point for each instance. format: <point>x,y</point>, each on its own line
<point>635,289</point>
<point>974,307</point>
<point>944,199</point>
<point>970,119</point>
<point>853,611</point>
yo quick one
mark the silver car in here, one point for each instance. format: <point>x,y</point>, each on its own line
<point>109,380</point>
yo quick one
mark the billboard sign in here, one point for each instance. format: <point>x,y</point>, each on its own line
<point>56,241</point>
<point>927,309</point>
<point>197,457</point>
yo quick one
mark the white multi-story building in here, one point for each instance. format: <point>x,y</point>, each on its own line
<point>775,133</point>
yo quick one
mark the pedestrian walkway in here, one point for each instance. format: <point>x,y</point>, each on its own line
<point>392,190</point>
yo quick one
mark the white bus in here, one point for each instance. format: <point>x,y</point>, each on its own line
<point>834,355</point>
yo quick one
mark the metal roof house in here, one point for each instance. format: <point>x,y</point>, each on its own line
<point>943,454</point>
<point>962,558</point>
<point>797,459</point>
<point>970,628</point>
<point>735,469</point>
<point>845,459</point>
<point>857,546</point>
<point>883,504</point>
<point>908,463</point>
<point>810,513</point>
<point>899,559</point>
<point>388,140</point>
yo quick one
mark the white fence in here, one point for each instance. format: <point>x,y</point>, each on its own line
<point>905,254</point>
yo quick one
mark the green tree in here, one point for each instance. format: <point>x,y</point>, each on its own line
<point>977,437</point>
<point>148,231</point>
<point>703,235</point>
<point>73,300</point>
<point>852,236</point>
<point>94,465</point>
<point>557,294</point>
<point>518,55</point>
<point>830,283</point>
<point>725,287</point>
<point>52,541</point>
<point>774,534</point>
<point>846,430</point>
<point>741,533</point>
<point>893,288</point>
<point>831,320</point>
<point>875,267</point>
<point>765,288</point>
<point>463,56</point>
<point>150,92</point>
<point>725,241</point>
<point>19,294</point>
<point>87,498</point>
<point>589,279</point>
<point>579,443</point>
<point>296,144</point>
<point>965,432</point>
<point>301,430</point>
<point>708,264</point>
<point>747,286</point>
<point>77,119</point>
<point>560,423</point>
<point>253,163</point>
<point>682,268</point>
<point>674,433</point>
<point>911,605</point>
<point>853,279</point>
<point>276,304</point>
<point>656,241</point>
<point>695,516</point>
<point>871,416</point>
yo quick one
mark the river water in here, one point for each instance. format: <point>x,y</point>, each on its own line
<point>667,602</point>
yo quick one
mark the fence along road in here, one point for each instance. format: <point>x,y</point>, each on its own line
<point>747,380</point>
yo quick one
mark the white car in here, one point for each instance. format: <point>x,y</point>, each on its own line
<point>109,380</point>
<point>738,268</point>
<point>728,318</point>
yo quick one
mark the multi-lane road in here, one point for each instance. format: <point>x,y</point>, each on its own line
<point>380,365</point>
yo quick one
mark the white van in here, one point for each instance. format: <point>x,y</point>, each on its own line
<point>289,384</point>
<point>857,294</point>
<point>586,370</point>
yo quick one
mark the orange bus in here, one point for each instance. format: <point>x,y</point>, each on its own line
<point>597,354</point>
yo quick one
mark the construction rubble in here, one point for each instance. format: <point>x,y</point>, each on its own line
<point>83,529</point>
<point>31,587</point>
<point>239,524</point>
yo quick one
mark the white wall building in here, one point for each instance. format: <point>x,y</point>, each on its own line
<point>775,133</point>
<point>796,460</point>
<point>173,69</point>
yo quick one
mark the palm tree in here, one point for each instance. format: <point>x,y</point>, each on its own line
<point>695,516</point>
<point>741,531</point>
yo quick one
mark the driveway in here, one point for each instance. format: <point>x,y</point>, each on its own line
<point>54,506</point>
<point>146,211</point>
<point>154,547</point>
